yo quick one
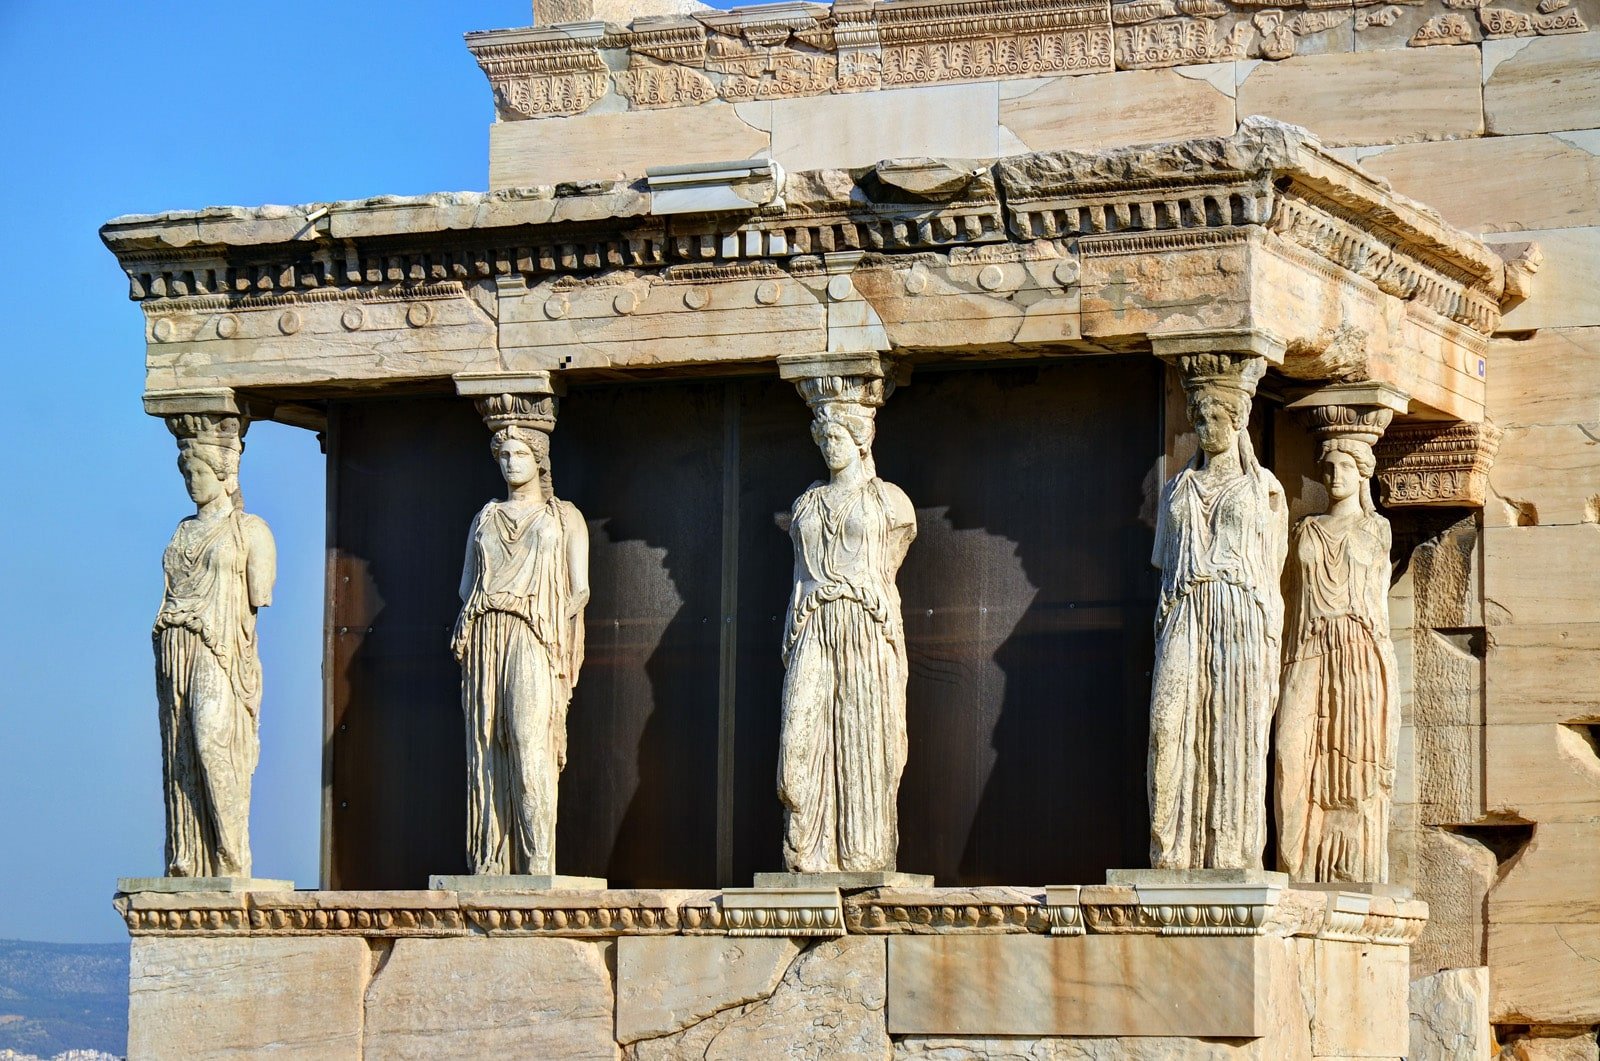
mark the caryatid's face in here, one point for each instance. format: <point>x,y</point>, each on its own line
<point>201,480</point>
<point>1341,475</point>
<point>517,462</point>
<point>1214,423</point>
<point>839,450</point>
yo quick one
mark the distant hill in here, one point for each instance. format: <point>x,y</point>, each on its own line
<point>56,997</point>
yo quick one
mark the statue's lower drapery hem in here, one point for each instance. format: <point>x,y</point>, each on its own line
<point>515,705</point>
<point>1213,690</point>
<point>1337,737</point>
<point>844,742</point>
<point>210,745</point>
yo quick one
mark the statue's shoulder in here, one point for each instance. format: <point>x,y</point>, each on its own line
<point>570,516</point>
<point>901,511</point>
<point>255,528</point>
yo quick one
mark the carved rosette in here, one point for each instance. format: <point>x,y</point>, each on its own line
<point>1436,464</point>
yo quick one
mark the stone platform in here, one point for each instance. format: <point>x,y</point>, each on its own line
<point>1061,972</point>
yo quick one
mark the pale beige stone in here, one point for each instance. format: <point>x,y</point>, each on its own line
<point>829,1005</point>
<point>245,998</point>
<point>1521,585</point>
<point>665,984</point>
<point>1563,290</point>
<point>1545,475</point>
<point>1096,985</point>
<point>1190,828</point>
<point>1450,1016</point>
<point>1546,1042</point>
<point>1549,377</point>
<point>475,997</point>
<point>1362,1000</point>
<point>1542,773</point>
<point>1427,94</point>
<point>1151,105</point>
<point>1498,183</point>
<point>1338,728</point>
<point>614,146</point>
<point>218,571</point>
<point>1453,875</point>
<point>862,128</point>
<point>1536,84</point>
<point>1543,673</point>
<point>1553,877</point>
<point>842,744</point>
<point>526,569</point>
<point>1544,973</point>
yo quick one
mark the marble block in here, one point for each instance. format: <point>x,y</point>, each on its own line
<point>515,882</point>
<point>845,882</point>
<point>174,885</point>
<point>1162,878</point>
<point>244,997</point>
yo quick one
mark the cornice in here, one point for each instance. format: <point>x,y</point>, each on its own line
<point>1267,176</point>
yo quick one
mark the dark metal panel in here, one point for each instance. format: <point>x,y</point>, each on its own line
<point>410,475</point>
<point>638,797</point>
<point>1028,597</point>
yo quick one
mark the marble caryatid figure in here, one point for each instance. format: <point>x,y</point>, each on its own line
<point>218,569</point>
<point>1220,540</point>
<point>519,640</point>
<point>1338,724</point>
<point>843,744</point>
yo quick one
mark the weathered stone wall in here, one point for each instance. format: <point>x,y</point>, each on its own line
<point>1489,112</point>
<point>1094,973</point>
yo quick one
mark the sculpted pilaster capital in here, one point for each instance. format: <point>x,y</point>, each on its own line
<point>218,401</point>
<point>1240,343</point>
<point>863,381</point>
<point>1359,410</point>
<point>1437,463</point>
<point>210,417</point>
<point>525,399</point>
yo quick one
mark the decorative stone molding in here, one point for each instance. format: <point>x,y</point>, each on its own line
<point>543,72</point>
<point>1172,910</point>
<point>1436,464</point>
<point>941,910</point>
<point>1066,912</point>
<point>782,912</point>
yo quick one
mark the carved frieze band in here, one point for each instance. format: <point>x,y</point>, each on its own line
<point>1149,199</point>
<point>1055,911</point>
<point>1436,464</point>
<point>790,50</point>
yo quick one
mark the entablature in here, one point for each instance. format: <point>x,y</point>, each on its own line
<point>934,259</point>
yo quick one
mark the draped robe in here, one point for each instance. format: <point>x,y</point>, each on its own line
<point>1214,685</point>
<point>1338,718</point>
<point>208,685</point>
<point>519,656</point>
<point>843,744</point>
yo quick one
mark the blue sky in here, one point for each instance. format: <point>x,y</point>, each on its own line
<point>119,108</point>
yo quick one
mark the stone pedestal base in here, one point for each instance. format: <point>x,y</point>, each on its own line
<point>845,882</point>
<point>515,882</point>
<point>1185,971</point>
<point>177,885</point>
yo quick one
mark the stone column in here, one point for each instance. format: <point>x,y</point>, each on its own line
<point>519,640</point>
<point>843,744</point>
<point>1220,538</point>
<point>217,571</point>
<point>1338,723</point>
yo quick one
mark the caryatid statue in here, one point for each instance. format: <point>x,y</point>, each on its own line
<point>1221,533</point>
<point>519,640</point>
<point>218,569</point>
<point>843,744</point>
<point>1338,723</point>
